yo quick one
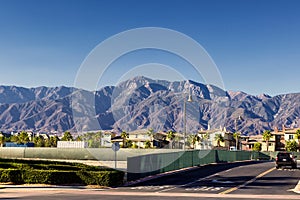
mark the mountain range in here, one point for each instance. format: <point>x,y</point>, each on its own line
<point>141,103</point>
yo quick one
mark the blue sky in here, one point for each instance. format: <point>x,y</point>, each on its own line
<point>254,43</point>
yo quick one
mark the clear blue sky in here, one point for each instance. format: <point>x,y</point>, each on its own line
<point>254,43</point>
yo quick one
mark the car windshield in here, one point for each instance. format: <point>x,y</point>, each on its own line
<point>284,155</point>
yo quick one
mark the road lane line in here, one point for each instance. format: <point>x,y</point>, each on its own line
<point>248,182</point>
<point>296,189</point>
<point>191,183</point>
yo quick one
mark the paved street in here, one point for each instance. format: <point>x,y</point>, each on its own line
<point>255,180</point>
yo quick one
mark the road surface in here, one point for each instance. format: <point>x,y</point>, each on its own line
<point>258,180</point>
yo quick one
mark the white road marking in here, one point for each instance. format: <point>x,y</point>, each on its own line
<point>296,189</point>
<point>187,184</point>
<point>222,182</point>
<point>248,182</point>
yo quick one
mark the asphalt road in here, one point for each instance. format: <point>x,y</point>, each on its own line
<point>256,180</point>
<point>259,178</point>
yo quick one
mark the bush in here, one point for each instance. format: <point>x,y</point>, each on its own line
<point>257,146</point>
<point>103,178</point>
<point>47,172</point>
<point>10,175</point>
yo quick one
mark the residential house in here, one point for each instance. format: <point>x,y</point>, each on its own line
<point>248,142</point>
<point>207,139</point>
<point>140,137</point>
<point>106,139</point>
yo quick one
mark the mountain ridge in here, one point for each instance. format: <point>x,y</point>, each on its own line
<point>140,103</point>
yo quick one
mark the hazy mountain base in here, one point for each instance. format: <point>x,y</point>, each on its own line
<point>141,103</point>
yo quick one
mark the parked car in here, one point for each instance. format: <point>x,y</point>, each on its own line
<point>286,159</point>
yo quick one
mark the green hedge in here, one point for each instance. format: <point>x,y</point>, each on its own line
<point>103,178</point>
<point>60,173</point>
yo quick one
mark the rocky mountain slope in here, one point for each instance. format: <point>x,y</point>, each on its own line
<point>141,103</point>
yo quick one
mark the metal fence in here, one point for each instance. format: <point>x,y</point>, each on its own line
<point>101,154</point>
<point>146,165</point>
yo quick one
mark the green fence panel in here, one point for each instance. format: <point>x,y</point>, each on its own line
<point>159,163</point>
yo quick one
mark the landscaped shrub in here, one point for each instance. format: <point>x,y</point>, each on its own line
<point>11,175</point>
<point>47,172</point>
<point>105,178</point>
<point>5,165</point>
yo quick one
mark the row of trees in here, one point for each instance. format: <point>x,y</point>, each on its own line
<point>39,141</point>
<point>94,139</point>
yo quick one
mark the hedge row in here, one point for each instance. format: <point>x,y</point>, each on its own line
<point>51,172</point>
<point>103,178</point>
<point>48,165</point>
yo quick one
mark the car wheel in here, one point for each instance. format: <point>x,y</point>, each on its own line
<point>277,166</point>
<point>294,166</point>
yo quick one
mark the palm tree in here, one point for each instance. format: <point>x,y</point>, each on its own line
<point>266,137</point>
<point>15,139</point>
<point>193,139</point>
<point>2,140</point>
<point>124,135</point>
<point>98,137</point>
<point>297,136</point>
<point>236,136</point>
<point>151,133</point>
<point>39,141</point>
<point>147,144</point>
<point>67,136</point>
<point>23,137</point>
<point>171,136</point>
<point>54,140</point>
<point>219,138</point>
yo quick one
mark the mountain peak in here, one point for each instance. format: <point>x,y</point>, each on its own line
<point>139,103</point>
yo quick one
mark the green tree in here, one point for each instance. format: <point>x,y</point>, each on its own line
<point>67,136</point>
<point>151,134</point>
<point>129,143</point>
<point>53,141</point>
<point>171,136</point>
<point>92,143</point>
<point>47,143</point>
<point>98,137</point>
<point>2,140</point>
<point>192,139</point>
<point>147,144</point>
<point>297,136</point>
<point>266,137</point>
<point>236,137</point>
<point>291,145</point>
<point>257,146</point>
<point>219,138</point>
<point>124,136</point>
<point>39,141</point>
<point>79,138</point>
<point>15,139</point>
<point>23,137</point>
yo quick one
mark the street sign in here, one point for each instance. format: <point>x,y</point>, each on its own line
<point>115,146</point>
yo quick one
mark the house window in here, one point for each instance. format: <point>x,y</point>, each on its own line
<point>291,137</point>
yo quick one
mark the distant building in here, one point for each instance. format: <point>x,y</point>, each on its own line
<point>139,137</point>
<point>249,141</point>
<point>106,139</point>
<point>207,139</point>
